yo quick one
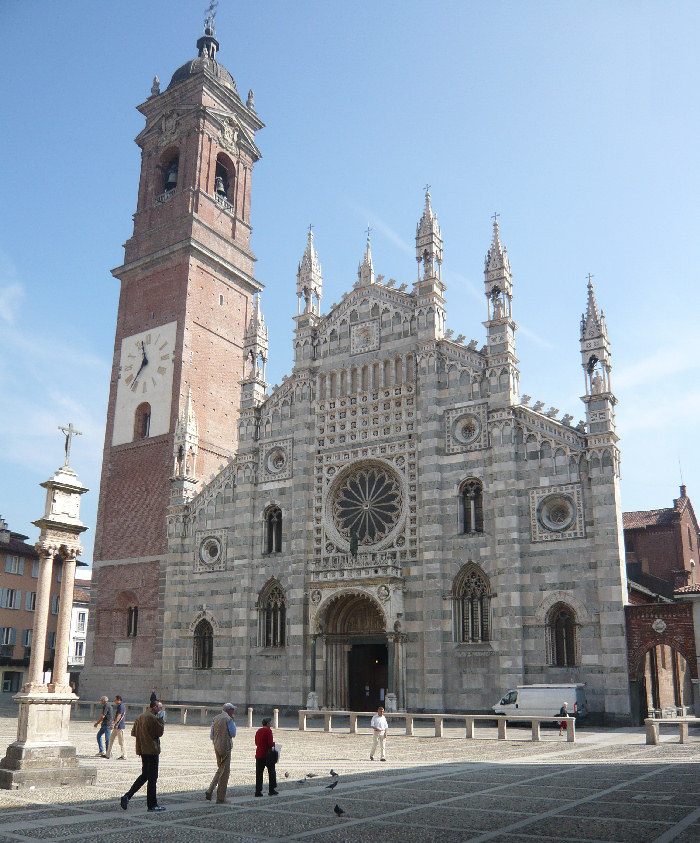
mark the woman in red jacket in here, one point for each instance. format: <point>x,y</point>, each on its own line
<point>264,742</point>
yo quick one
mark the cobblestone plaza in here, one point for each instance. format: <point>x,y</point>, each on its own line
<point>608,786</point>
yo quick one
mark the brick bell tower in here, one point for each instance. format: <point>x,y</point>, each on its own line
<point>187,291</point>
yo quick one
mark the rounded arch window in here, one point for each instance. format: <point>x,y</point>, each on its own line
<point>142,421</point>
<point>224,178</point>
<point>562,643</point>
<point>170,166</point>
<point>203,653</point>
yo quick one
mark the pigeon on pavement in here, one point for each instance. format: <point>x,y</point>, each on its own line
<point>333,773</point>
<point>311,775</point>
<point>331,786</point>
<point>338,811</point>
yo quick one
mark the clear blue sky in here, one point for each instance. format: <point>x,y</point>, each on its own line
<point>577,122</point>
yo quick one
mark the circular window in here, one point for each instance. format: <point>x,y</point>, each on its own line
<point>366,503</point>
<point>556,513</point>
<point>276,460</point>
<point>466,429</point>
<point>210,550</point>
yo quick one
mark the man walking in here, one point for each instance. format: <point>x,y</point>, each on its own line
<point>147,730</point>
<point>118,728</point>
<point>105,724</point>
<point>379,725</point>
<point>223,730</point>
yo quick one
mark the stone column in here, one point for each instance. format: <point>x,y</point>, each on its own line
<point>41,616</point>
<point>61,682</point>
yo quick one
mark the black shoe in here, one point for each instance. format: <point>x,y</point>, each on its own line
<point>258,794</point>
<point>273,793</point>
<point>157,808</point>
<point>124,802</point>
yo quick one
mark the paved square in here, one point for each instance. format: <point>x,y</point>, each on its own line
<point>608,786</point>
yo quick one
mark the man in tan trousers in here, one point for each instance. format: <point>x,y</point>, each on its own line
<point>223,730</point>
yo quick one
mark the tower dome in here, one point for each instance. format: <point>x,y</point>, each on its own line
<point>205,62</point>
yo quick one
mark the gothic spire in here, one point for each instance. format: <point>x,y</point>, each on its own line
<point>428,241</point>
<point>309,278</point>
<point>593,320</point>
<point>255,344</point>
<point>365,271</point>
<point>497,255</point>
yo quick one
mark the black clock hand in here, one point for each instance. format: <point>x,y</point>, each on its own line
<point>144,362</point>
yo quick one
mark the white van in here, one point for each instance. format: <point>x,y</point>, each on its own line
<point>543,700</point>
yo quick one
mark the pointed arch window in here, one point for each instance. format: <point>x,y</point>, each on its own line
<point>562,636</point>
<point>471,499</point>
<point>273,530</point>
<point>272,616</point>
<point>203,646</point>
<point>471,606</point>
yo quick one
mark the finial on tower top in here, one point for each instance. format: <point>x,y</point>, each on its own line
<point>207,44</point>
<point>209,25</point>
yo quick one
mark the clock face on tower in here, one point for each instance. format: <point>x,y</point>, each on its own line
<point>144,389</point>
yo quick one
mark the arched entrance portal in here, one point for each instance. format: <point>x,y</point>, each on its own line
<point>356,654</point>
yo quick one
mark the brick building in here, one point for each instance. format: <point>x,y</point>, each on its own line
<point>394,522</point>
<point>19,570</point>
<point>661,552</point>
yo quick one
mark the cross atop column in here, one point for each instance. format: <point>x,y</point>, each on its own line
<point>69,432</point>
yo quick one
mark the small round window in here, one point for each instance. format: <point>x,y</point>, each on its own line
<point>210,550</point>
<point>276,460</point>
<point>466,429</point>
<point>556,513</point>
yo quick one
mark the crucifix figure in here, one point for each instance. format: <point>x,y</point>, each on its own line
<point>69,432</point>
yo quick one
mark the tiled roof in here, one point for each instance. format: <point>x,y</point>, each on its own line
<point>647,518</point>
<point>17,545</point>
<point>688,589</point>
<point>80,595</point>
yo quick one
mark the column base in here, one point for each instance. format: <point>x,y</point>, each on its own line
<point>390,702</point>
<point>43,766</point>
<point>42,755</point>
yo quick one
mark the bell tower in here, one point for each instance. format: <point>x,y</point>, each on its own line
<point>187,293</point>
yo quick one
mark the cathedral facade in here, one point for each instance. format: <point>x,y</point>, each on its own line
<point>394,523</point>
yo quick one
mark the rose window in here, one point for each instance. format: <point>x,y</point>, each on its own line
<point>367,502</point>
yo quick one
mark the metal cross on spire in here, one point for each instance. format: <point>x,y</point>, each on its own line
<point>211,14</point>
<point>368,232</point>
<point>427,188</point>
<point>589,276</point>
<point>495,216</point>
<point>311,228</point>
<point>69,432</point>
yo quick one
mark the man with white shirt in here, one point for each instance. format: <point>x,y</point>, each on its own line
<point>379,725</point>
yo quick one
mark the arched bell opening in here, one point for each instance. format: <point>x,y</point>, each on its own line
<point>224,179</point>
<point>170,165</point>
